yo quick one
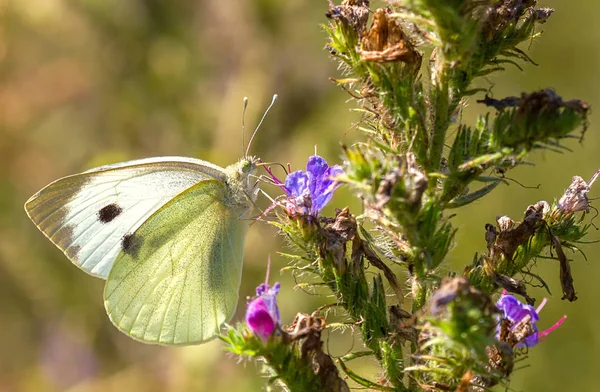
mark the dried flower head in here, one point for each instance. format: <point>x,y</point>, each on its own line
<point>575,197</point>
<point>387,42</point>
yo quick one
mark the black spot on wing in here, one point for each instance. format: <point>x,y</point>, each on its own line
<point>108,213</point>
<point>131,244</point>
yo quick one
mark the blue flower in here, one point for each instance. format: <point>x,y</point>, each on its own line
<point>518,313</point>
<point>308,192</point>
<point>262,314</point>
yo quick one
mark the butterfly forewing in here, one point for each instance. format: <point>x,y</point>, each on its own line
<point>89,215</point>
<point>177,279</point>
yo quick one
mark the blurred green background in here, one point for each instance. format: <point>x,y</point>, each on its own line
<point>90,82</point>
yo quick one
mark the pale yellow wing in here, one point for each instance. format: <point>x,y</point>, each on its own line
<point>177,278</point>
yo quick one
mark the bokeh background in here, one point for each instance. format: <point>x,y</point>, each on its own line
<point>90,82</point>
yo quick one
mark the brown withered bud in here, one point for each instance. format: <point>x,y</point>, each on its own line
<point>447,292</point>
<point>578,105</point>
<point>548,100</point>
<point>414,179</point>
<point>502,13</point>
<point>361,248</point>
<point>542,14</point>
<point>306,331</point>
<point>336,233</point>
<point>303,324</point>
<point>402,324</point>
<point>490,235</point>
<point>566,279</point>
<point>341,230</point>
<point>511,237</point>
<point>384,192</point>
<point>575,197</point>
<point>500,360</point>
<point>399,315</point>
<point>537,210</point>
<point>505,223</point>
<point>344,224</point>
<point>451,288</point>
<point>387,42</point>
<point>500,104</point>
<point>418,180</point>
<point>353,14</point>
<point>536,102</point>
<point>513,286</point>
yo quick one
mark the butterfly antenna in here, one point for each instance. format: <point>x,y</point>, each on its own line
<point>244,122</point>
<point>260,123</point>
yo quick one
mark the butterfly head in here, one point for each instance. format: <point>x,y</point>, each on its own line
<point>242,182</point>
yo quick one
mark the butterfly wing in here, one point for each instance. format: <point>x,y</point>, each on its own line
<point>87,215</point>
<point>177,279</point>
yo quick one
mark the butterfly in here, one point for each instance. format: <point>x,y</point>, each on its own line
<point>167,235</point>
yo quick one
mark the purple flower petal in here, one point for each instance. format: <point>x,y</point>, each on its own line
<point>510,306</point>
<point>262,289</point>
<point>308,192</point>
<point>316,167</point>
<point>530,310</point>
<point>297,183</point>
<point>515,311</point>
<point>262,314</point>
<point>529,341</point>
<point>325,187</point>
<point>259,319</point>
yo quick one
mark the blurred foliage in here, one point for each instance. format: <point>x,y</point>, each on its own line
<point>89,82</point>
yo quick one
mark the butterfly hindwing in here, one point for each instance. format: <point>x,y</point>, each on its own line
<point>177,277</point>
<point>87,215</point>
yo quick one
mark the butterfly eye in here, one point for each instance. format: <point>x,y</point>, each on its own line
<point>246,166</point>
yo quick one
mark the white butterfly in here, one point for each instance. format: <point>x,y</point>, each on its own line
<point>164,232</point>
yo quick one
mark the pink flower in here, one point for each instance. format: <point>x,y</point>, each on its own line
<point>262,314</point>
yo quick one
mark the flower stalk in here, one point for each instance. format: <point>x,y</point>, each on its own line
<point>461,331</point>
